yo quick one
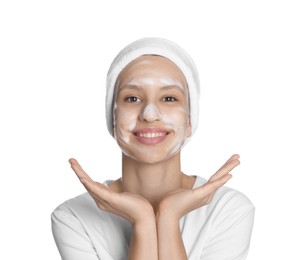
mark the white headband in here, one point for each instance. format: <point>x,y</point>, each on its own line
<point>161,47</point>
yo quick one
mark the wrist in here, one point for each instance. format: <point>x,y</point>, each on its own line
<point>145,230</point>
<point>167,218</point>
<point>147,219</point>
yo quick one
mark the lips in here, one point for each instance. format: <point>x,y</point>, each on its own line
<point>150,135</point>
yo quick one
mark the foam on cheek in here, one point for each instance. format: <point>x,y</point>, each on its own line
<point>175,119</point>
<point>177,122</point>
<point>125,125</point>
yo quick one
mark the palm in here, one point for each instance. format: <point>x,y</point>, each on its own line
<point>180,202</point>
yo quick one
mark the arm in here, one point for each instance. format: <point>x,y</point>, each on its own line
<point>170,244</point>
<point>144,240</point>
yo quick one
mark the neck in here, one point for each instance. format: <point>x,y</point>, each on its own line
<point>152,181</point>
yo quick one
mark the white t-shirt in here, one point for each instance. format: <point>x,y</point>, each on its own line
<point>220,230</point>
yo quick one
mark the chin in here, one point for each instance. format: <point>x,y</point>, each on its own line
<point>151,157</point>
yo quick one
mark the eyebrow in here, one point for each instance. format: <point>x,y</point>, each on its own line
<point>132,86</point>
<point>129,86</point>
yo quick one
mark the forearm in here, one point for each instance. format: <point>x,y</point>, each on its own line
<point>144,241</point>
<point>170,243</point>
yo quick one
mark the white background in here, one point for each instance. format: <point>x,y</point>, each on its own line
<point>54,56</point>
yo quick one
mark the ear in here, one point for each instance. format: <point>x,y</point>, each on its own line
<point>188,127</point>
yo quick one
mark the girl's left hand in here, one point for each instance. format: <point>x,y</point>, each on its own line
<point>180,202</point>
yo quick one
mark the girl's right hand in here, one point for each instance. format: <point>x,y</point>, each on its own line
<point>134,208</point>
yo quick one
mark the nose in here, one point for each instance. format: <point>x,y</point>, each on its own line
<point>150,113</point>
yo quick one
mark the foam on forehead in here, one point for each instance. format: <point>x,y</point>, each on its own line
<point>161,47</point>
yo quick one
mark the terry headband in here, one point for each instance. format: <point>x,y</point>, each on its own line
<point>161,47</point>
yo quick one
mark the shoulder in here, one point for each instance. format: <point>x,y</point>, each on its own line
<point>82,216</point>
<point>79,206</point>
<point>82,211</point>
<point>82,231</point>
<point>225,224</point>
<point>230,213</point>
<point>79,203</point>
<point>75,209</point>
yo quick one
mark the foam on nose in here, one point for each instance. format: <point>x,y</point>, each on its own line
<point>151,112</point>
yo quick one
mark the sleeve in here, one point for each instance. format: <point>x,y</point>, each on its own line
<point>70,236</point>
<point>232,229</point>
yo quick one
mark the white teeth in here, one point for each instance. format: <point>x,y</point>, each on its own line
<point>150,135</point>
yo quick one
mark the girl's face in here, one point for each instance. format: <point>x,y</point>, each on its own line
<point>151,112</point>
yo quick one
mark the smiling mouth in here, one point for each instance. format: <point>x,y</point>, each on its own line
<point>150,135</point>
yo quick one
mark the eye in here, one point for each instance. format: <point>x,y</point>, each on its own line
<point>169,99</point>
<point>132,99</point>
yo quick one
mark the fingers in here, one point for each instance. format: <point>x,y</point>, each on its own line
<point>102,186</point>
<point>96,189</point>
<point>214,185</point>
<point>220,178</point>
<point>78,169</point>
<point>211,186</point>
<point>226,168</point>
<point>233,159</point>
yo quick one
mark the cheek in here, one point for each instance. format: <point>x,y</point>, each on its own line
<point>124,120</point>
<point>177,120</point>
